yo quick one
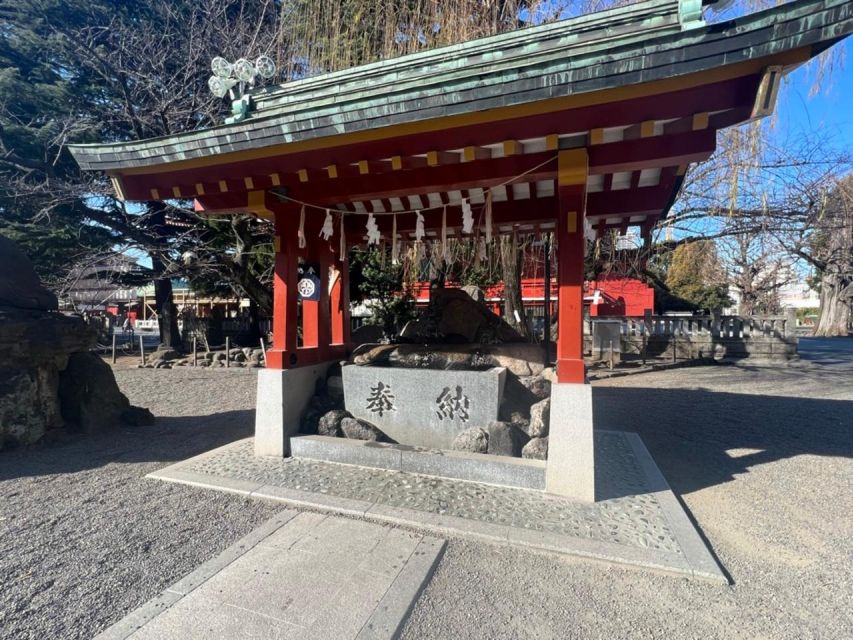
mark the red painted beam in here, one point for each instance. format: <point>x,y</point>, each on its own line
<point>647,153</point>
<point>442,178</point>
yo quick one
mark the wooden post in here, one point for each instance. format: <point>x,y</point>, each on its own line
<point>114,345</point>
<point>546,341</point>
<point>227,352</point>
<point>573,167</point>
<point>283,352</point>
<point>264,349</point>
<point>141,350</point>
<point>195,351</point>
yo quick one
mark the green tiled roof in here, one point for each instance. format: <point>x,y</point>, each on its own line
<point>638,43</point>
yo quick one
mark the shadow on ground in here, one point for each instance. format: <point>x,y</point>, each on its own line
<point>703,438</point>
<point>169,440</point>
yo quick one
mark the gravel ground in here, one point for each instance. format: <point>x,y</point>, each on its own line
<point>761,457</point>
<point>85,538</point>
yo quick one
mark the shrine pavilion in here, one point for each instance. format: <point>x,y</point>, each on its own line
<point>572,127</point>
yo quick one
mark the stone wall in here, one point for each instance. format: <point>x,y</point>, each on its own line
<point>705,347</point>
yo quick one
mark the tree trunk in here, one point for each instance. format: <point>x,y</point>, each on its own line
<point>167,313</point>
<point>511,265</point>
<point>834,315</point>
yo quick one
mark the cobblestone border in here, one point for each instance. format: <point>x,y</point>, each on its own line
<point>694,561</point>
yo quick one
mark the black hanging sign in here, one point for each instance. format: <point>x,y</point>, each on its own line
<point>308,286</point>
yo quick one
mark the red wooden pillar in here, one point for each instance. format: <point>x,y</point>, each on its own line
<point>336,306</point>
<point>342,325</point>
<point>283,351</point>
<point>324,330</point>
<point>573,167</point>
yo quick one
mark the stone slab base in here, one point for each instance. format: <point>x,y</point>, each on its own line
<point>460,465</point>
<point>637,521</point>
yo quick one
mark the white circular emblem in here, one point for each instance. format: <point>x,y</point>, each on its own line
<point>306,287</point>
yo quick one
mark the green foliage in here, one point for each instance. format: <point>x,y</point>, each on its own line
<point>695,276</point>
<point>381,285</point>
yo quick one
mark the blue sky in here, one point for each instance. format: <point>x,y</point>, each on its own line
<point>830,111</point>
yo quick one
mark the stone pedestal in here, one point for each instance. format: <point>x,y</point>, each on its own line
<point>607,337</point>
<point>283,395</point>
<point>423,407</point>
<point>570,470</point>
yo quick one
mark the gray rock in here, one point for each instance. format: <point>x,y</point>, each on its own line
<point>540,417</point>
<point>335,386</point>
<point>536,449</point>
<point>89,396</point>
<point>474,440</point>
<point>506,439</point>
<point>519,359</point>
<point>539,386</point>
<point>330,423</point>
<point>356,429</point>
<point>165,354</point>
<point>19,285</point>
<point>550,374</point>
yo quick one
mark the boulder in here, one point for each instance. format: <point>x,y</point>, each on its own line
<point>455,312</point>
<point>165,353</point>
<point>550,374</point>
<point>367,334</point>
<point>48,378</point>
<point>19,285</point>
<point>372,354</point>
<point>137,417</point>
<point>520,359</point>
<point>356,429</point>
<point>335,386</point>
<point>536,449</point>
<point>506,439</point>
<point>540,418</point>
<point>538,386</point>
<point>89,395</point>
<point>475,440</point>
<point>330,423</point>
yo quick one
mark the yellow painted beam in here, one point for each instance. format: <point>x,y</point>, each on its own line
<point>700,121</point>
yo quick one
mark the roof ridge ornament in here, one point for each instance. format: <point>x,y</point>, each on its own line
<point>233,79</point>
<point>690,13</point>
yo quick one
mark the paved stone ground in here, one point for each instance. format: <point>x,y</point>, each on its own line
<point>305,576</point>
<point>632,516</point>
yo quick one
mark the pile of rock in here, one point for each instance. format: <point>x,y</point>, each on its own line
<point>48,378</point>
<point>326,415</point>
<point>523,429</point>
<point>245,357</point>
